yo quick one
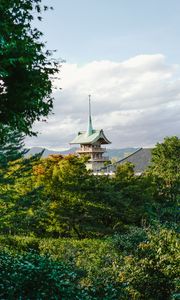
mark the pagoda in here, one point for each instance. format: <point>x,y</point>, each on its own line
<point>90,142</point>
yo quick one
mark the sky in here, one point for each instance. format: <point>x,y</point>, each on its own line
<point>126,54</point>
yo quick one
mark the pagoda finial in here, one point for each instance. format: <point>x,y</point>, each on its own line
<point>90,128</point>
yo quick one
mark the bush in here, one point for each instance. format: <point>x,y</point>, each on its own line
<point>153,271</point>
<point>32,276</point>
<point>19,243</point>
<point>139,265</point>
<point>127,243</point>
<point>97,259</point>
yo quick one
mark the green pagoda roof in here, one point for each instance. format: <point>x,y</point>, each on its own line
<point>90,136</point>
<point>85,138</point>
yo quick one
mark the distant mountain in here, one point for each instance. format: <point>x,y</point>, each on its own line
<point>115,154</point>
<point>47,152</point>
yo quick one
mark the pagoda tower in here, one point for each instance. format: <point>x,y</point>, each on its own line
<point>90,142</point>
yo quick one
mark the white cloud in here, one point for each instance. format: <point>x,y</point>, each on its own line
<point>136,102</point>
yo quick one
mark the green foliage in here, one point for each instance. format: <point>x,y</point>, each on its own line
<point>58,197</point>
<point>31,276</point>
<point>127,242</point>
<point>25,68</point>
<point>96,258</point>
<point>165,176</point>
<point>124,173</point>
<point>80,204</point>
<point>140,264</point>
<point>11,145</point>
<point>25,96</point>
<point>135,196</point>
<point>153,271</point>
<point>166,160</point>
<point>11,150</point>
<point>18,196</point>
<point>19,244</point>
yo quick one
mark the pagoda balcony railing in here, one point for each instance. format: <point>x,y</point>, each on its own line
<point>101,159</point>
<point>91,150</point>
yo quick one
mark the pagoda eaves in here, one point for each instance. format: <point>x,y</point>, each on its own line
<point>90,144</point>
<point>97,135</point>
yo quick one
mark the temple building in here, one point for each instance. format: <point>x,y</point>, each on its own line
<point>141,159</point>
<point>90,142</point>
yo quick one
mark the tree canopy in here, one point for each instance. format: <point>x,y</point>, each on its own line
<point>166,160</point>
<point>26,66</point>
<point>165,174</point>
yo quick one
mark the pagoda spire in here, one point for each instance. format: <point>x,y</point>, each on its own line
<point>90,127</point>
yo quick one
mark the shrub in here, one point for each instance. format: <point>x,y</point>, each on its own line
<point>32,276</point>
<point>97,259</point>
<point>19,243</point>
<point>153,271</point>
<point>127,243</point>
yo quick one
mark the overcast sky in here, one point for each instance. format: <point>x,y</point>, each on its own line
<point>126,54</point>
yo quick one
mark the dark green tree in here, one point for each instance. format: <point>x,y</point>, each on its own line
<point>18,196</point>
<point>26,70</point>
<point>78,203</point>
<point>165,176</point>
<point>166,160</point>
<point>25,66</point>
<point>134,196</point>
<point>152,272</point>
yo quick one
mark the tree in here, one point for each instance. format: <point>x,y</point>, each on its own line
<point>152,272</point>
<point>124,174</point>
<point>66,184</point>
<point>134,196</point>
<point>165,175</point>
<point>25,67</point>
<point>11,147</point>
<point>166,160</point>
<point>20,202</point>
<point>78,203</point>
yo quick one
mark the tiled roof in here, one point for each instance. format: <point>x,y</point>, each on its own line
<point>84,138</point>
<point>141,159</point>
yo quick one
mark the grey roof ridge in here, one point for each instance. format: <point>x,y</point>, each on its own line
<point>120,159</point>
<point>129,155</point>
